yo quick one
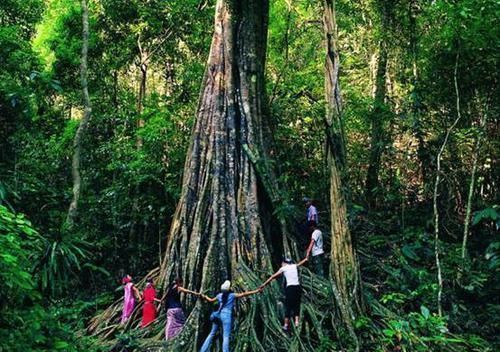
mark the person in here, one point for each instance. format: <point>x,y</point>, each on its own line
<point>312,212</point>
<point>316,248</point>
<point>175,313</point>
<point>224,315</point>
<point>128,298</point>
<point>292,290</point>
<point>149,309</point>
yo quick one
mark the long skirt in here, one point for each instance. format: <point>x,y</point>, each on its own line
<point>175,322</point>
<point>148,313</point>
<point>128,309</point>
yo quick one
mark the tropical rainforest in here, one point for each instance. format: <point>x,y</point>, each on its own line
<point>168,139</point>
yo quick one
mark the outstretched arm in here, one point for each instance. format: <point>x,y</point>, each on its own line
<point>247,293</point>
<point>271,278</point>
<point>208,299</point>
<point>303,261</point>
<point>185,290</point>
<point>309,248</point>
<point>137,293</point>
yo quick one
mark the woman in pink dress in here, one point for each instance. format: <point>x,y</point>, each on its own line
<point>128,299</point>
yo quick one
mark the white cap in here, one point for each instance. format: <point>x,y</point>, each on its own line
<point>226,285</point>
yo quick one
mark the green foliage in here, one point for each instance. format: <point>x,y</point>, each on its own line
<point>487,214</point>
<point>61,261</point>
<point>18,242</point>
<point>25,324</point>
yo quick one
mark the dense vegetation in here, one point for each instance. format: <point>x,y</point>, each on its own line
<point>419,82</point>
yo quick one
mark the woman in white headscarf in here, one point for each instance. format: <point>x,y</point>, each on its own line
<point>223,316</point>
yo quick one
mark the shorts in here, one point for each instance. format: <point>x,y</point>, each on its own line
<point>292,301</point>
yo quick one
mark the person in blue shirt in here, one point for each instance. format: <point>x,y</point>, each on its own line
<point>312,212</point>
<point>224,315</point>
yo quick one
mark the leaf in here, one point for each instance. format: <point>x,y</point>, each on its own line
<point>485,214</point>
<point>409,253</point>
<point>61,345</point>
<point>425,312</point>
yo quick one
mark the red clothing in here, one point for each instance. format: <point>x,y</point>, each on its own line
<point>148,309</point>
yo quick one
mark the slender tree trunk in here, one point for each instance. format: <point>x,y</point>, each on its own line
<point>422,154</point>
<point>77,142</point>
<point>468,211</point>
<point>169,75</point>
<point>435,195</point>
<point>344,267</point>
<point>377,128</point>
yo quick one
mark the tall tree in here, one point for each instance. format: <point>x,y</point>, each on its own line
<point>344,265</point>
<point>77,142</point>
<point>218,229</point>
<point>377,115</point>
<point>414,10</point>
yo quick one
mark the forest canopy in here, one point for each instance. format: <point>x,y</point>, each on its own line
<point>188,139</point>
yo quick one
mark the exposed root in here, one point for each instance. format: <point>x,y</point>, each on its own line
<point>258,320</point>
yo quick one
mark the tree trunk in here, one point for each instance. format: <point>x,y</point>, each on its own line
<point>344,267</point>
<point>217,229</point>
<point>143,66</point>
<point>377,128</point>
<point>77,142</point>
<point>468,210</point>
<point>422,153</point>
<point>435,194</point>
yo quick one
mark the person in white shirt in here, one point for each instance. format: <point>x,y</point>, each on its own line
<point>292,290</point>
<point>315,248</point>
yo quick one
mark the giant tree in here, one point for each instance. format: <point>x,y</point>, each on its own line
<point>221,228</point>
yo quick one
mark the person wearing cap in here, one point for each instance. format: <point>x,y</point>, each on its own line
<point>316,248</point>
<point>223,315</point>
<point>292,290</point>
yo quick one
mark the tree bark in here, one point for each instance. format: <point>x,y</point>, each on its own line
<point>344,267</point>
<point>77,142</point>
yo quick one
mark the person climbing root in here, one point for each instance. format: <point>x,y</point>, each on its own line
<point>316,248</point>
<point>149,309</point>
<point>175,313</point>
<point>224,314</point>
<point>129,290</point>
<point>292,290</point>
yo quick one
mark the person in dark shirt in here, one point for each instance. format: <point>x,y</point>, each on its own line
<point>175,313</point>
